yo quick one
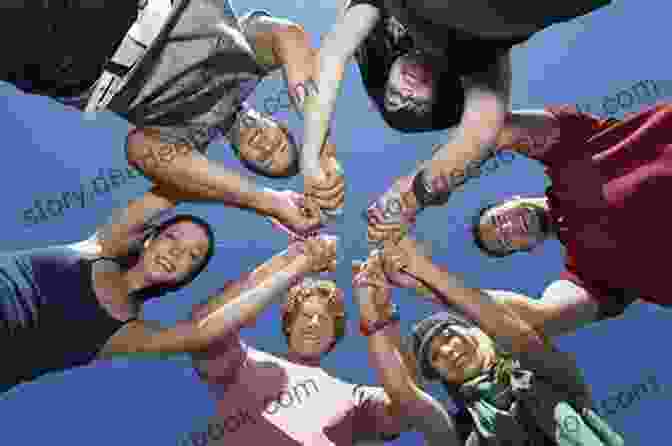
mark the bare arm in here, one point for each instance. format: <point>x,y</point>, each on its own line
<point>338,47</point>
<point>183,174</point>
<point>230,310</point>
<point>563,308</point>
<point>496,319</point>
<point>487,101</point>
<point>282,43</point>
<point>397,373</point>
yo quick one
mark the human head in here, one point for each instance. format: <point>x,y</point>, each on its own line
<point>173,253</point>
<point>451,348</point>
<point>415,91</point>
<point>515,225</point>
<point>313,317</point>
<point>263,145</point>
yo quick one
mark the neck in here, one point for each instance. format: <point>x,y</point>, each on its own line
<point>312,361</point>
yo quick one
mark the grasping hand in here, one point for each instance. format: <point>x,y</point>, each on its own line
<point>297,215</point>
<point>392,215</point>
<point>328,190</point>
<point>321,252</point>
<point>370,275</point>
<point>399,261</point>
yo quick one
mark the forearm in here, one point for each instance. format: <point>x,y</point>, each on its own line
<point>408,401</point>
<point>496,319</point>
<point>219,184</point>
<point>184,174</point>
<point>250,303</point>
<point>384,351</point>
<point>338,47</point>
<point>474,141</point>
<point>249,281</point>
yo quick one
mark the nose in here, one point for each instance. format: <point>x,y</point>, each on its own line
<point>176,251</point>
<point>314,320</point>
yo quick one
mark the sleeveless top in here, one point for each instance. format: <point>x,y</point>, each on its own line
<point>50,318</point>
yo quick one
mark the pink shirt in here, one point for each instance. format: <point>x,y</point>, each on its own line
<point>263,399</point>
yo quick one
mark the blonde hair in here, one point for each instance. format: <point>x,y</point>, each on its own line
<point>324,290</point>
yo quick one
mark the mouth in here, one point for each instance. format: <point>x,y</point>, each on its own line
<point>164,264</point>
<point>311,337</point>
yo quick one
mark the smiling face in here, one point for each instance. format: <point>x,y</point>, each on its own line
<point>265,144</point>
<point>458,354</point>
<point>174,253</point>
<point>512,227</point>
<point>313,330</point>
<point>411,85</point>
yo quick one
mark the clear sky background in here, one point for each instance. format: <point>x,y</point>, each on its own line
<point>49,150</point>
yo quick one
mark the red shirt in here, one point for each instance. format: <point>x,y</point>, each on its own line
<point>611,188</point>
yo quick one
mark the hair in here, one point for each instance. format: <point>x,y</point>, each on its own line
<point>294,167</point>
<point>323,289</point>
<point>159,290</point>
<point>449,93</point>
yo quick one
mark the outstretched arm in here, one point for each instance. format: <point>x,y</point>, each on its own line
<point>338,47</point>
<point>235,307</point>
<point>497,320</point>
<point>396,370</point>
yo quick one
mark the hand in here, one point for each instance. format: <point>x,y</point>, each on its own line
<point>328,190</point>
<point>321,253</point>
<point>392,216</point>
<point>296,215</point>
<point>370,275</point>
<point>396,264</point>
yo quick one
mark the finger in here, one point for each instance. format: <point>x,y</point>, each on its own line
<point>329,181</point>
<point>327,204</point>
<point>327,196</point>
<point>328,191</point>
<point>382,226</point>
<point>377,235</point>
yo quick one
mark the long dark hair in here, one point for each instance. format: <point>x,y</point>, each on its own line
<point>154,230</point>
<point>376,57</point>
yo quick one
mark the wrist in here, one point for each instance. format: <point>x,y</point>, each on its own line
<point>368,327</point>
<point>265,201</point>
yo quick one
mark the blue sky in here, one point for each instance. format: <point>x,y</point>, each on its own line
<point>50,150</point>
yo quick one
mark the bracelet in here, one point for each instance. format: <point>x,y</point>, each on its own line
<point>367,329</point>
<point>424,194</point>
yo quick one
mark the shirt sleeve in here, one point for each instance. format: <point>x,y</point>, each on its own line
<point>612,302</point>
<point>372,418</point>
<point>575,129</point>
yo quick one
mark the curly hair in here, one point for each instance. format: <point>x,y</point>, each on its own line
<point>325,290</point>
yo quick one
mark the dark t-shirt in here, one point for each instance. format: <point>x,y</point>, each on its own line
<point>50,317</point>
<point>611,182</point>
<point>189,86</point>
<point>461,54</point>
